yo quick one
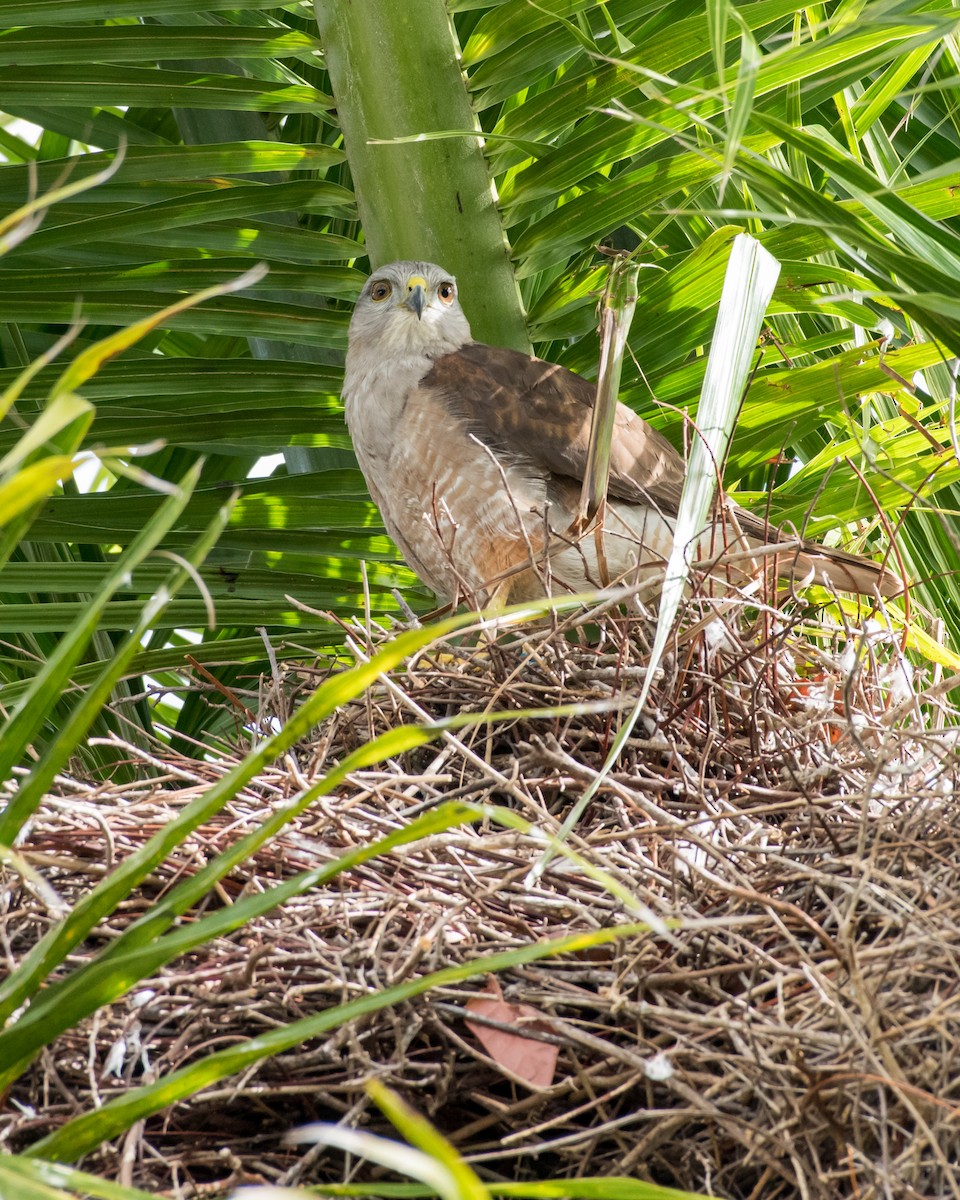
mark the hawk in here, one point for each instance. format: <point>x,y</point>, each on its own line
<point>475,457</point>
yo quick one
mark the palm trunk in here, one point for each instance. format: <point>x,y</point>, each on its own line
<point>395,74</point>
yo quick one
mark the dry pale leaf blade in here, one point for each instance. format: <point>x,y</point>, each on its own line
<point>405,1160</point>
<point>616,316</point>
<point>748,286</point>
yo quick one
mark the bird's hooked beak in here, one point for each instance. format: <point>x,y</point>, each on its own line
<point>416,294</point>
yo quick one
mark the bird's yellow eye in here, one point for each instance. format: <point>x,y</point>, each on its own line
<point>446,291</point>
<point>380,290</point>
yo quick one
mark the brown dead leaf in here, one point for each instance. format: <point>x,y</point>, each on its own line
<point>532,1061</point>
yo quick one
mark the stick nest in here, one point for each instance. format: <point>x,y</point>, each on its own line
<point>784,808</point>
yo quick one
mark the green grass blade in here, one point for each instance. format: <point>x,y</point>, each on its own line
<point>85,1133</point>
<point>607,1187</point>
<point>57,943</point>
<point>394,1156</point>
<point>742,106</point>
<point>28,717</point>
<point>466,1184</point>
<point>30,793</point>
<point>34,1179</point>
<point>113,973</point>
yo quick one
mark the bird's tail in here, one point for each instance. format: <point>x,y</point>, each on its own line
<point>843,572</point>
<point>802,563</point>
<point>751,542</point>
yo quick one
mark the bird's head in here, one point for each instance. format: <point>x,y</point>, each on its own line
<point>410,308</point>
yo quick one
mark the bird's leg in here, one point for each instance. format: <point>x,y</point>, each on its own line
<point>412,621</point>
<point>546,568</point>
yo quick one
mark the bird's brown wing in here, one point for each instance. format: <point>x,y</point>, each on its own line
<point>525,408</point>
<point>538,413</point>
